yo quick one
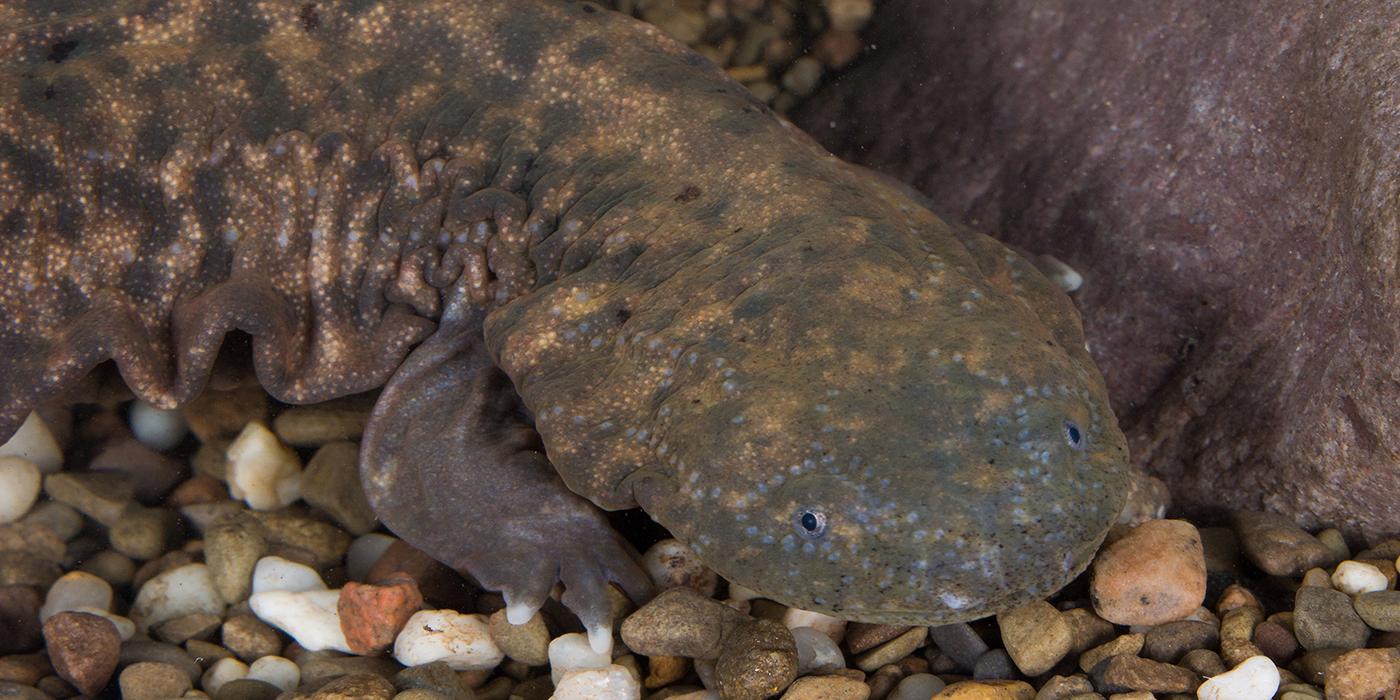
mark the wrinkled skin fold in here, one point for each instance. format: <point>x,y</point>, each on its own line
<point>833,396</point>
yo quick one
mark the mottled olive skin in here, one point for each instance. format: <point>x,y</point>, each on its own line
<point>704,313</point>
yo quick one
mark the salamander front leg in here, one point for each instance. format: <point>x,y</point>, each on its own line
<point>452,467</point>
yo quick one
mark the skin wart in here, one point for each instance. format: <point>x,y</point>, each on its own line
<point>833,396</point>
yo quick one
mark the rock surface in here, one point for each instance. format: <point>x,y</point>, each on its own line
<point>1231,221</point>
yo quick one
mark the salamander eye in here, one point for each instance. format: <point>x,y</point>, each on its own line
<point>1073,435</point>
<point>811,523</point>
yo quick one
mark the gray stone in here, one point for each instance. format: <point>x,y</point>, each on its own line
<point>1324,619</point>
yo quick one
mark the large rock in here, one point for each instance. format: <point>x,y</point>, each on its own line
<point>1223,175</point>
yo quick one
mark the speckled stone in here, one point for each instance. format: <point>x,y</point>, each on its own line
<point>1036,635</point>
<point>665,670</point>
<point>142,533</point>
<point>759,659</point>
<point>1125,672</point>
<point>1324,619</point>
<point>1379,609</point>
<point>681,622</point>
<point>987,690</point>
<point>83,649</point>
<point>325,542</point>
<point>527,643</point>
<point>232,548</point>
<point>361,686</point>
<point>1363,674</point>
<point>1129,644</point>
<point>862,636</point>
<point>250,638</point>
<point>152,680</point>
<point>827,688</point>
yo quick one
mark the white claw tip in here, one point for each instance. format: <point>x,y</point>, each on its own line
<point>519,613</point>
<point>601,639</point>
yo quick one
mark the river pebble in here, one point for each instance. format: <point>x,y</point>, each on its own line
<point>83,649</point>
<point>35,443</point>
<point>275,670</point>
<point>277,574</point>
<point>607,683</point>
<point>1355,578</point>
<point>180,591</point>
<point>221,672</point>
<point>1325,619</point>
<point>1278,546</point>
<point>463,641</point>
<point>372,615</point>
<point>759,659</point>
<point>102,496</point>
<point>1154,573</point>
<point>261,471</point>
<point>1363,674</point>
<point>527,643</point>
<point>816,653</point>
<point>1257,678</point>
<point>76,589</point>
<point>150,680</point>
<point>671,563</point>
<point>572,652</point>
<point>1036,635</point>
<point>249,638</point>
<point>20,480</point>
<point>308,616</point>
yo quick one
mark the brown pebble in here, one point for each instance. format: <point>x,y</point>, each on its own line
<point>1324,618</point>
<point>1154,574</point>
<point>759,659</point>
<point>1171,641</point>
<point>1236,596</point>
<point>883,680</point>
<point>863,636</point>
<point>891,651</point>
<point>360,686</point>
<point>836,48</point>
<point>250,638</point>
<point>1089,630</point>
<point>1237,634</point>
<point>1129,644</point>
<point>1363,674</point>
<point>1276,642</point>
<point>827,688</point>
<point>322,423</point>
<point>200,488</point>
<point>1123,673</point>
<point>1277,545</point>
<point>152,680</point>
<point>1036,635</point>
<point>665,670</point>
<point>1204,662</point>
<point>25,669</point>
<point>152,474</point>
<point>527,643</point>
<point>331,484</point>
<point>1311,667</point>
<point>200,625</point>
<point>987,690</point>
<point>214,413</point>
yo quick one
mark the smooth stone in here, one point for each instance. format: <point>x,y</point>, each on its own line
<point>360,686</point>
<point>325,542</point>
<point>61,518</point>
<point>310,617</point>
<point>152,474</point>
<point>1311,667</point>
<point>1124,672</point>
<point>180,591</point>
<point>832,627</point>
<point>152,680</point>
<point>608,683</point>
<point>83,649</point>
<point>1379,609</point>
<point>216,414</point>
<point>17,691</point>
<point>987,690</point>
<point>680,622</point>
<point>995,665</point>
<point>372,615</point>
<point>665,670</point>
<point>1171,641</point>
<point>24,668</point>
<point>1204,662</point>
<point>1335,542</point>
<point>247,689</point>
<point>261,471</point>
<point>918,686</point>
<point>25,569</point>
<point>1276,642</point>
<point>276,670</point>
<point>463,641</point>
<point>102,496</point>
<point>274,573</point>
<point>76,589</point>
<point>1130,644</point>
<point>1257,678</point>
<point>1363,674</point>
<point>143,533</point>
<point>1324,619</point>
<point>221,672</point>
<point>891,651</point>
<point>115,568</point>
<point>200,626</point>
<point>826,688</point>
<point>156,428</point>
<point>138,650</point>
<point>249,638</point>
<point>864,636</point>
<point>961,643</point>
<point>363,552</point>
<point>527,643</point>
<point>38,541</point>
<point>437,677</point>
<point>1036,635</point>
<point>572,652</point>
<point>331,483</point>
<point>1355,578</point>
<point>1277,545</point>
<point>337,420</point>
<point>1062,687</point>
<point>816,653</point>
<point>670,563</point>
<point>232,548</point>
<point>34,442</point>
<point>1155,573</point>
<point>758,660</point>
<point>20,481</point>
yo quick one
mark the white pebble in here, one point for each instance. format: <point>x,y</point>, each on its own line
<point>277,670</point>
<point>76,589</point>
<point>274,573</point>
<point>157,429</point>
<point>309,617</point>
<point>364,551</point>
<point>223,671</point>
<point>1256,678</point>
<point>572,652</point>
<point>830,626</point>
<point>670,563</point>
<point>1355,578</point>
<point>36,443</point>
<point>608,683</point>
<point>19,487</point>
<point>126,629</point>
<point>168,595</point>
<point>816,653</point>
<point>918,686</point>
<point>261,470</point>
<point>463,641</point>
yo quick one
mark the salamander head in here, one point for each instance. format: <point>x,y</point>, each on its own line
<point>919,467</point>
